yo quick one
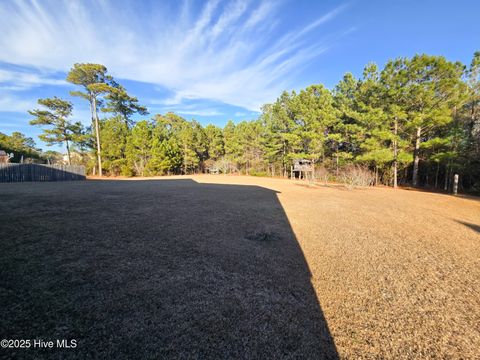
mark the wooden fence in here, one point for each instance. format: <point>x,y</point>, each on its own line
<point>40,172</point>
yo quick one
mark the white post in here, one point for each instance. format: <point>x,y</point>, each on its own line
<point>455,184</point>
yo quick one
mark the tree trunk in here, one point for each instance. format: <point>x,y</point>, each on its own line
<point>68,153</point>
<point>436,175</point>
<point>450,176</point>
<point>97,133</point>
<point>336,162</point>
<point>395,154</point>
<point>416,157</point>
<point>445,186</point>
<point>185,160</point>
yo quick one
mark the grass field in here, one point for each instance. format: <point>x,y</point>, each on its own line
<point>238,267</point>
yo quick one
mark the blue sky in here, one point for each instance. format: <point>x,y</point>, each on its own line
<point>214,60</point>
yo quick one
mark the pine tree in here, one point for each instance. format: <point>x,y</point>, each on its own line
<point>94,79</point>
<point>139,146</point>
<point>114,133</point>
<point>166,157</point>
<point>60,130</point>
<point>119,102</point>
<point>432,90</point>
<point>215,142</point>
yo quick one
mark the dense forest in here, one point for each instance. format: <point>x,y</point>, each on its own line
<point>416,121</point>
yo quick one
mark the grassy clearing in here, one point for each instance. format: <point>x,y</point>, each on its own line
<point>238,267</point>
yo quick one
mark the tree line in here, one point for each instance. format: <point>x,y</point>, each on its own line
<point>411,122</point>
<point>415,121</point>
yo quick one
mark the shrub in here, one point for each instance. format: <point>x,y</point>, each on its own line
<point>322,174</point>
<point>225,166</point>
<point>258,173</point>
<point>357,176</point>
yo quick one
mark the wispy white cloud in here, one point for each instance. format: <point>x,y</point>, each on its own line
<point>321,20</point>
<point>9,103</point>
<point>200,112</point>
<point>228,52</point>
<point>23,80</point>
<point>195,109</point>
<point>14,125</point>
<point>18,104</point>
<point>168,101</point>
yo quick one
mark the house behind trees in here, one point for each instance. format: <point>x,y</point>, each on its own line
<point>4,157</point>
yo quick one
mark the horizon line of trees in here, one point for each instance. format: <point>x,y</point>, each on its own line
<point>415,121</point>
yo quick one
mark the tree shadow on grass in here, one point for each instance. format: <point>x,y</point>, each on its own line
<point>156,269</point>
<point>471,226</point>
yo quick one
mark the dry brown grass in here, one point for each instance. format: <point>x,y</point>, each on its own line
<point>397,273</point>
<point>268,268</point>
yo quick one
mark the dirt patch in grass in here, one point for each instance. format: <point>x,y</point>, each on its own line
<point>238,267</point>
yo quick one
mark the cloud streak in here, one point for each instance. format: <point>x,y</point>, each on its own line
<point>22,80</point>
<point>9,103</point>
<point>229,52</point>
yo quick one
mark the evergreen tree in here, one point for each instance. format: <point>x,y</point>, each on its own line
<point>94,79</point>
<point>431,91</point>
<point>215,142</point>
<point>60,130</point>
<point>231,145</point>
<point>342,136</point>
<point>272,140</point>
<point>19,145</point>
<point>139,146</point>
<point>114,133</point>
<point>416,118</point>
<point>166,157</point>
<point>314,113</point>
<point>120,103</point>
